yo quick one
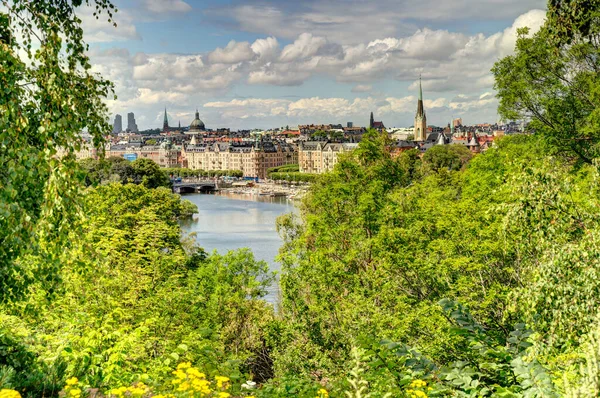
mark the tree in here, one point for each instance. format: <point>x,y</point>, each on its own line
<point>149,174</point>
<point>450,157</point>
<point>49,96</point>
<point>553,79</point>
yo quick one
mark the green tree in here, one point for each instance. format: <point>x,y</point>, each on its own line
<point>49,96</point>
<point>450,157</point>
<point>149,174</point>
<point>553,80</point>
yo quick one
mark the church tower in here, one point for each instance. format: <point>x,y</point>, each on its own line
<point>371,121</point>
<point>420,118</point>
<point>166,122</point>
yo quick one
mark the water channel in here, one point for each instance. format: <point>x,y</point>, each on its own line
<point>227,221</point>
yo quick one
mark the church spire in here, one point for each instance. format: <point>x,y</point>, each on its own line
<point>166,122</point>
<point>371,121</point>
<point>420,127</point>
<point>420,109</point>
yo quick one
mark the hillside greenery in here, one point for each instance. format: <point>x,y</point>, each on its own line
<point>446,275</point>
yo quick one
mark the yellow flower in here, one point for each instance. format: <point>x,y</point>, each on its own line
<point>221,380</point>
<point>322,393</point>
<point>224,394</point>
<point>184,365</point>
<point>75,392</point>
<point>72,381</point>
<point>5,393</point>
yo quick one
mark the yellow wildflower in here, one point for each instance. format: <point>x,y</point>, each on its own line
<point>72,381</point>
<point>224,394</point>
<point>6,393</point>
<point>322,393</point>
<point>221,380</point>
<point>184,365</point>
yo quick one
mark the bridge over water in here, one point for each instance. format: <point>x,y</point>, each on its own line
<point>194,185</point>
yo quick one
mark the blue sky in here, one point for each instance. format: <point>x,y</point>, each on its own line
<point>260,64</point>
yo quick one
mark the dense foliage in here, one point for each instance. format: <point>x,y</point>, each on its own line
<point>117,169</point>
<point>48,96</point>
<point>444,275</point>
<point>284,168</point>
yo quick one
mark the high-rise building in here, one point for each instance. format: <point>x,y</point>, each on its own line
<point>131,125</point>
<point>117,124</point>
<point>420,118</point>
<point>349,125</point>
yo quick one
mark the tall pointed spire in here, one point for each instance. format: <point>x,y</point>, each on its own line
<point>420,132</point>
<point>165,122</point>
<point>371,121</point>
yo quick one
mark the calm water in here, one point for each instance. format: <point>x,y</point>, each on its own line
<point>231,221</point>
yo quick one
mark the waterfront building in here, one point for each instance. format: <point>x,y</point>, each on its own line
<point>420,128</point>
<point>253,159</point>
<point>318,157</point>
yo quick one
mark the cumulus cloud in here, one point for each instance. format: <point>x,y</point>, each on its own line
<point>233,53</point>
<point>98,29</point>
<point>357,21</point>
<point>162,7</point>
<point>449,63</point>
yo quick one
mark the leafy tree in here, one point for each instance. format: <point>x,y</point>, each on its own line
<point>450,157</point>
<point>50,95</point>
<point>553,80</point>
<point>149,174</point>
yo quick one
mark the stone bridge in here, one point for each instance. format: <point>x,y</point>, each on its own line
<point>192,186</point>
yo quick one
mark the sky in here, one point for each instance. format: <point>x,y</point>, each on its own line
<point>270,63</point>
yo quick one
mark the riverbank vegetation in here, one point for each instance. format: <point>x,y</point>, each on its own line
<point>437,276</point>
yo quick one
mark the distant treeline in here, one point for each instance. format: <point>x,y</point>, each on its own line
<point>184,172</point>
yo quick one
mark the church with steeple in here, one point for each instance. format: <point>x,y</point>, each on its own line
<point>420,131</point>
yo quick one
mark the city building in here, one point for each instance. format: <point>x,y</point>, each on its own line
<point>117,124</point>
<point>253,159</point>
<point>375,125</point>
<point>197,125</point>
<point>420,128</point>
<point>165,154</point>
<point>131,125</point>
<point>319,157</point>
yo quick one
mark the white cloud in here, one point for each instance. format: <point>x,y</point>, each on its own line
<point>357,21</point>
<point>362,88</point>
<point>306,45</point>
<point>98,29</point>
<point>233,53</point>
<point>450,63</point>
<point>162,7</point>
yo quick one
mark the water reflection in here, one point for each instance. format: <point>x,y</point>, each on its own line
<point>227,221</point>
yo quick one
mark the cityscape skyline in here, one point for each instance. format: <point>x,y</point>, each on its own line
<point>246,65</point>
